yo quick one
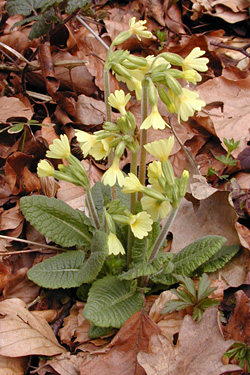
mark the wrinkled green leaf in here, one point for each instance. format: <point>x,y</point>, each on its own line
<point>94,332</point>
<point>57,221</point>
<point>43,24</point>
<point>218,260</point>
<point>111,302</point>
<point>149,268</point>
<point>76,4</point>
<point>99,251</point>
<point>191,257</point>
<point>24,7</point>
<point>59,271</point>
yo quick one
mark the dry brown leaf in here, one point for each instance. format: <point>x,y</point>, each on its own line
<point>199,350</point>
<point>238,327</point>
<point>11,218</point>
<point>212,216</point>
<point>90,111</point>
<point>119,357</point>
<point>228,109</point>
<point>64,364</point>
<point>23,334</point>
<point>12,366</point>
<point>13,105</point>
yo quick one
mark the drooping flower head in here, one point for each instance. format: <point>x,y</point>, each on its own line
<point>132,184</point>
<point>140,224</point>
<point>118,100</point>
<point>156,209</point>
<point>154,119</point>
<point>194,61</point>
<point>114,245</point>
<point>186,103</point>
<point>161,149</point>
<point>45,169</point>
<point>86,141</point>
<point>60,148</point>
<point>113,174</point>
<point>138,29</point>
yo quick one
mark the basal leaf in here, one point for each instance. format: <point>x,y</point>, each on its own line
<point>111,302</point>
<point>57,221</point>
<point>76,4</point>
<point>99,193</point>
<point>99,252</point>
<point>218,260</point>
<point>24,7</point>
<point>147,268</point>
<point>59,271</point>
<point>139,250</point>
<point>43,24</point>
<point>94,332</point>
<point>191,257</point>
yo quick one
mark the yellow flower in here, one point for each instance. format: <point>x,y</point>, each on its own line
<point>119,101</point>
<point>113,174</point>
<point>193,60</point>
<point>45,169</point>
<point>161,149</point>
<point>133,83</point>
<point>138,29</point>
<point>156,209</point>
<point>60,149</point>
<point>86,141</point>
<point>154,119</point>
<point>186,103</point>
<point>191,76</point>
<point>101,148</point>
<point>140,224</point>
<point>132,184</point>
<point>115,245</point>
<point>154,173</point>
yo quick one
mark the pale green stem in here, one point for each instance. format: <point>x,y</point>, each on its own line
<point>92,209</point>
<point>133,169</point>
<point>160,240</point>
<point>143,138</point>
<point>108,119</point>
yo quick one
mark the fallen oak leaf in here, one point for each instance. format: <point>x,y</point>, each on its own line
<point>199,350</point>
<point>23,334</point>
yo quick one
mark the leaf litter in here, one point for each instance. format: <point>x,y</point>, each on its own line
<point>148,343</point>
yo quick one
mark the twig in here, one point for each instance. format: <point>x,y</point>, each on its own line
<point>79,19</point>
<point>243,49</point>
<point>31,243</point>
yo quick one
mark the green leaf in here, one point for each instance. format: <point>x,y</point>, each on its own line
<point>59,271</point>
<point>57,221</point>
<point>99,251</point>
<point>111,302</point>
<point>139,250</point>
<point>147,268</point>
<point>218,260</point>
<point>24,7</point>
<point>94,332</point>
<point>76,4</point>
<point>43,24</point>
<point>191,257</point>
<point>100,193</point>
<point>17,128</point>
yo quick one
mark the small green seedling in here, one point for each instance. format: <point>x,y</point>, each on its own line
<point>189,296</point>
<point>241,352</point>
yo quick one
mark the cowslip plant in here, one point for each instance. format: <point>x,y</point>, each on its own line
<point>190,297</point>
<point>116,251</point>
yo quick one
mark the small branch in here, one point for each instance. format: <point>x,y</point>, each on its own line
<point>31,243</point>
<point>243,49</point>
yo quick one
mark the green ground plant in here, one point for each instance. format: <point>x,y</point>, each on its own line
<point>115,254</point>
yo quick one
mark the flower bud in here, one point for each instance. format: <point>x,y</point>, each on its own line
<point>109,221</point>
<point>184,183</point>
<point>110,126</point>
<point>173,84</point>
<point>163,95</point>
<point>120,149</point>
<point>152,94</point>
<point>153,194</point>
<point>172,58</point>
<point>168,172</point>
<point>137,60</point>
<point>120,70</point>
<point>121,38</point>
